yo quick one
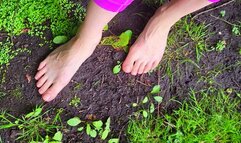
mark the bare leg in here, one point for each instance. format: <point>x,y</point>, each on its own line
<point>147,51</point>
<point>55,72</point>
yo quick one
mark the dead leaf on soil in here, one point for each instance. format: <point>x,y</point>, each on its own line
<point>29,78</point>
<point>90,117</point>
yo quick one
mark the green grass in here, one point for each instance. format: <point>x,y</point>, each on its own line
<point>214,118</point>
<point>34,126</point>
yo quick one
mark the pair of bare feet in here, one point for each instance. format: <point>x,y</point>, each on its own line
<point>56,71</point>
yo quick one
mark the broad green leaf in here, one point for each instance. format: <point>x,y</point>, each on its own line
<point>116,69</point>
<point>60,39</point>
<point>74,121</point>
<point>145,100</point>
<point>98,124</point>
<point>58,136</point>
<point>152,108</point>
<point>124,39</point>
<point>80,129</point>
<point>158,99</point>
<point>88,129</point>
<point>134,104</point>
<point>114,140</point>
<point>35,113</point>
<point>93,133</point>
<point>156,89</point>
<point>105,134</point>
<point>145,114</point>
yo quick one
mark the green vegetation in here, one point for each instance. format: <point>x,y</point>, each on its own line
<point>117,68</point>
<point>75,101</point>
<point>33,125</point>
<point>220,45</point>
<point>215,117</point>
<point>19,16</point>
<point>6,52</point>
<point>93,128</point>
<point>118,42</point>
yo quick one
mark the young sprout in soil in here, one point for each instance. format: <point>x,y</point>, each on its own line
<point>222,13</point>
<point>117,68</point>
<point>220,45</point>
<point>240,51</point>
<point>145,113</point>
<point>75,102</point>
<point>236,29</point>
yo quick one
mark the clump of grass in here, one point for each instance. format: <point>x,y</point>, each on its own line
<point>213,118</point>
<point>32,127</point>
<point>18,16</point>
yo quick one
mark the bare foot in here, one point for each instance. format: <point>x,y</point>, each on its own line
<point>147,51</point>
<point>55,72</point>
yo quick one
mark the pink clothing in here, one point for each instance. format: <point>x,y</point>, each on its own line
<point>119,5</point>
<point>113,5</point>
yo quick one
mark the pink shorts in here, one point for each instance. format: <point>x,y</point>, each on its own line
<point>119,5</point>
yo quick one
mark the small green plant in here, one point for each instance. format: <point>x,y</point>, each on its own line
<point>152,95</point>
<point>118,42</point>
<point>32,126</point>
<point>75,101</point>
<point>236,29</point>
<point>222,13</point>
<point>240,51</point>
<point>220,45</point>
<point>117,68</point>
<point>93,128</point>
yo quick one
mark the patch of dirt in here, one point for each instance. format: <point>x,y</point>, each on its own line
<point>106,95</point>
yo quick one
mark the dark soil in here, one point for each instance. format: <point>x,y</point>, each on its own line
<point>106,95</point>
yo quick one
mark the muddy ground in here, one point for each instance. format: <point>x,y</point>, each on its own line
<point>106,95</point>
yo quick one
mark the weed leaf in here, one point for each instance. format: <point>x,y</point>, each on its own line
<point>74,121</point>
<point>156,89</point>
<point>152,108</point>
<point>116,69</point>
<point>93,133</point>
<point>80,129</point>
<point>107,124</point>
<point>60,39</point>
<point>106,28</point>
<point>145,100</point>
<point>35,113</point>
<point>158,99</point>
<point>134,104</point>
<point>98,124</point>
<point>105,134</point>
<point>145,114</point>
<point>88,129</point>
<point>114,140</point>
<point>6,126</point>
<point>58,136</point>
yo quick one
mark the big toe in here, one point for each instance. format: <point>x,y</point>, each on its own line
<point>52,92</point>
<point>128,64</point>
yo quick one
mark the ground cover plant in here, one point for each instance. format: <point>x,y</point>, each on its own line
<point>215,117</point>
<point>192,96</point>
